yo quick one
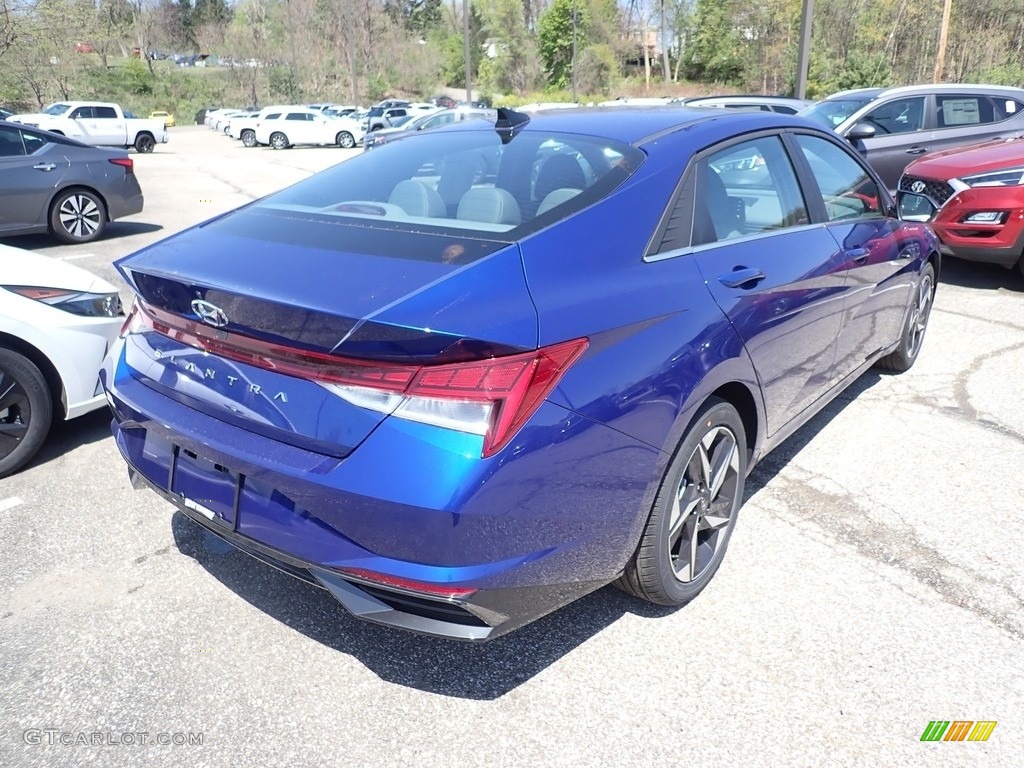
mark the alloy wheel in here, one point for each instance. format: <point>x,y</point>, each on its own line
<point>15,413</point>
<point>919,316</point>
<point>704,503</point>
<point>80,216</point>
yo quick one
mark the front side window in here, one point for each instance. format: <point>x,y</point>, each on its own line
<point>82,113</point>
<point>274,116</point>
<point>746,189</point>
<point>897,116</point>
<point>846,188</point>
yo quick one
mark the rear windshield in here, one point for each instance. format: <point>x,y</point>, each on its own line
<point>464,181</point>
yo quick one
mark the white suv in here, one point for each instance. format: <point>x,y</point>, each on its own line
<point>299,125</point>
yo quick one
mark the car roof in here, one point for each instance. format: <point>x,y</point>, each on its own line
<point>633,125</point>
<point>925,88</point>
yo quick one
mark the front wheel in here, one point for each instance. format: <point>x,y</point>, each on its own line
<point>249,138</point>
<point>694,513</point>
<point>144,143</point>
<point>278,141</point>
<point>26,411</point>
<point>345,140</point>
<point>77,216</point>
<point>903,357</point>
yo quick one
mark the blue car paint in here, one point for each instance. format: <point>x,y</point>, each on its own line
<point>564,503</point>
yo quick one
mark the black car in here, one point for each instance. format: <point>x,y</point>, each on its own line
<point>52,183</point>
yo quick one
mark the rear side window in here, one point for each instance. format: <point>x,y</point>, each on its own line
<point>956,111</point>
<point>105,113</point>
<point>746,189</point>
<point>466,180</point>
<point>33,143</point>
<point>10,142</point>
<point>300,116</point>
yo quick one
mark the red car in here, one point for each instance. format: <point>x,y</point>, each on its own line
<point>978,193</point>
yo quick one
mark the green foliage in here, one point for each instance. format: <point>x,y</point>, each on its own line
<point>859,70</point>
<point>136,78</point>
<point>715,50</point>
<point>555,39</point>
<point>597,69</point>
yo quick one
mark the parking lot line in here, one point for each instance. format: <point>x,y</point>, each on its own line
<point>76,257</point>
<point>10,503</point>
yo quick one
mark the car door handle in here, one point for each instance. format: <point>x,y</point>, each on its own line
<point>858,255</point>
<point>44,166</point>
<point>742,277</point>
<point>917,150</point>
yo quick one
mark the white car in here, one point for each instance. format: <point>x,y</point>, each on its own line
<point>244,122</point>
<point>299,125</point>
<point>56,323</point>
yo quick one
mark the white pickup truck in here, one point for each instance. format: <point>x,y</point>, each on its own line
<point>97,123</point>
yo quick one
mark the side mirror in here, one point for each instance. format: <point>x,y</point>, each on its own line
<point>861,131</point>
<point>914,207</point>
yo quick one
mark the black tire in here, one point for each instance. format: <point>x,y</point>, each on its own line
<point>144,143</point>
<point>249,138</point>
<point>278,140</point>
<point>77,216</point>
<point>904,356</point>
<point>345,140</point>
<point>691,522</point>
<point>26,410</point>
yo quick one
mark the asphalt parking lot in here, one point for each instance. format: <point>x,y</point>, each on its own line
<point>874,583</point>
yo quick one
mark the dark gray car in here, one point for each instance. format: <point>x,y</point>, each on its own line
<point>893,126</point>
<point>51,183</point>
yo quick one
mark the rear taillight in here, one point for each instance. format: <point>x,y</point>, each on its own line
<point>493,397</point>
<point>125,162</point>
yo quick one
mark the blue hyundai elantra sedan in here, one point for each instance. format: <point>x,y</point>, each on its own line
<point>470,377</point>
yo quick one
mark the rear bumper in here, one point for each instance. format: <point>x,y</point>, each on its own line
<point>487,545</point>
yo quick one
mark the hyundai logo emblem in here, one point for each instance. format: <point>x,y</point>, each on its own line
<point>209,313</point>
<point>917,186</point>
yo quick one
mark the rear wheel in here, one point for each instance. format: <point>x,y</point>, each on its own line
<point>345,140</point>
<point>26,411</point>
<point>688,530</point>
<point>144,143</point>
<point>77,216</point>
<point>903,357</point>
<point>249,138</point>
<point>278,140</point>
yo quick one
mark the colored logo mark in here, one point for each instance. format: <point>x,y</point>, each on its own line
<point>958,730</point>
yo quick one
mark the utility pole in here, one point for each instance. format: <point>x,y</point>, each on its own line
<point>940,57</point>
<point>469,57</point>
<point>804,56</point>
<point>574,51</point>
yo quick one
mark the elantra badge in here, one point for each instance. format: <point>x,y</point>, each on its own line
<point>209,313</point>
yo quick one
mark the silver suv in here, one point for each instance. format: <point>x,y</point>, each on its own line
<point>893,126</point>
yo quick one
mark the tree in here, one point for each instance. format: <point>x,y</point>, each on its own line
<point>715,50</point>
<point>555,39</point>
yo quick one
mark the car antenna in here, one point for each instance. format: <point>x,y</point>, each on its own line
<point>509,123</point>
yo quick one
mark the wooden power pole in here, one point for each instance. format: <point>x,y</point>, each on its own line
<point>940,57</point>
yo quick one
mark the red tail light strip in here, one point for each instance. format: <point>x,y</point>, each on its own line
<point>514,385</point>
